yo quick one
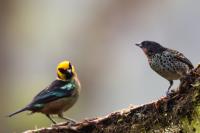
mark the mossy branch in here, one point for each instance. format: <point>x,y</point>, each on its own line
<point>179,112</point>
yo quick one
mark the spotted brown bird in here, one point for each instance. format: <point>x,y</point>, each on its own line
<point>59,96</point>
<point>168,63</point>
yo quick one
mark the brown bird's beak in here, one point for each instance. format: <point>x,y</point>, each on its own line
<point>139,45</point>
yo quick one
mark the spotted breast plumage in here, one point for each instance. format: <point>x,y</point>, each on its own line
<point>168,63</point>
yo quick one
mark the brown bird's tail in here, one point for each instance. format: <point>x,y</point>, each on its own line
<point>21,110</point>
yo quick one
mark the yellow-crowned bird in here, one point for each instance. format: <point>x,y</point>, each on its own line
<point>59,96</point>
<point>168,63</point>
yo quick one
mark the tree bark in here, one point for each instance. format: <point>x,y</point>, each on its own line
<point>177,113</point>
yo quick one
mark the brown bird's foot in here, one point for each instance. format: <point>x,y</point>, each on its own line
<point>167,93</point>
<point>171,93</point>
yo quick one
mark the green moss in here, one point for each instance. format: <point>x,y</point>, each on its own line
<point>196,85</point>
<point>120,120</point>
<point>196,121</point>
<point>135,127</point>
<point>193,125</point>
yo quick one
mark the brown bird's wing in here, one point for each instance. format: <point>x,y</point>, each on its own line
<point>179,56</point>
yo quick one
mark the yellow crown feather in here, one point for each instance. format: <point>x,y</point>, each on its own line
<point>64,65</point>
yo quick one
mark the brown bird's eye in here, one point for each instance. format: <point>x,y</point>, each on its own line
<point>61,70</point>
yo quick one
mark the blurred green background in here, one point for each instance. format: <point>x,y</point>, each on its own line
<point>98,37</point>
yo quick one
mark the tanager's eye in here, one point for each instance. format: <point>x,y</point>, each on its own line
<point>61,70</point>
<point>70,66</point>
